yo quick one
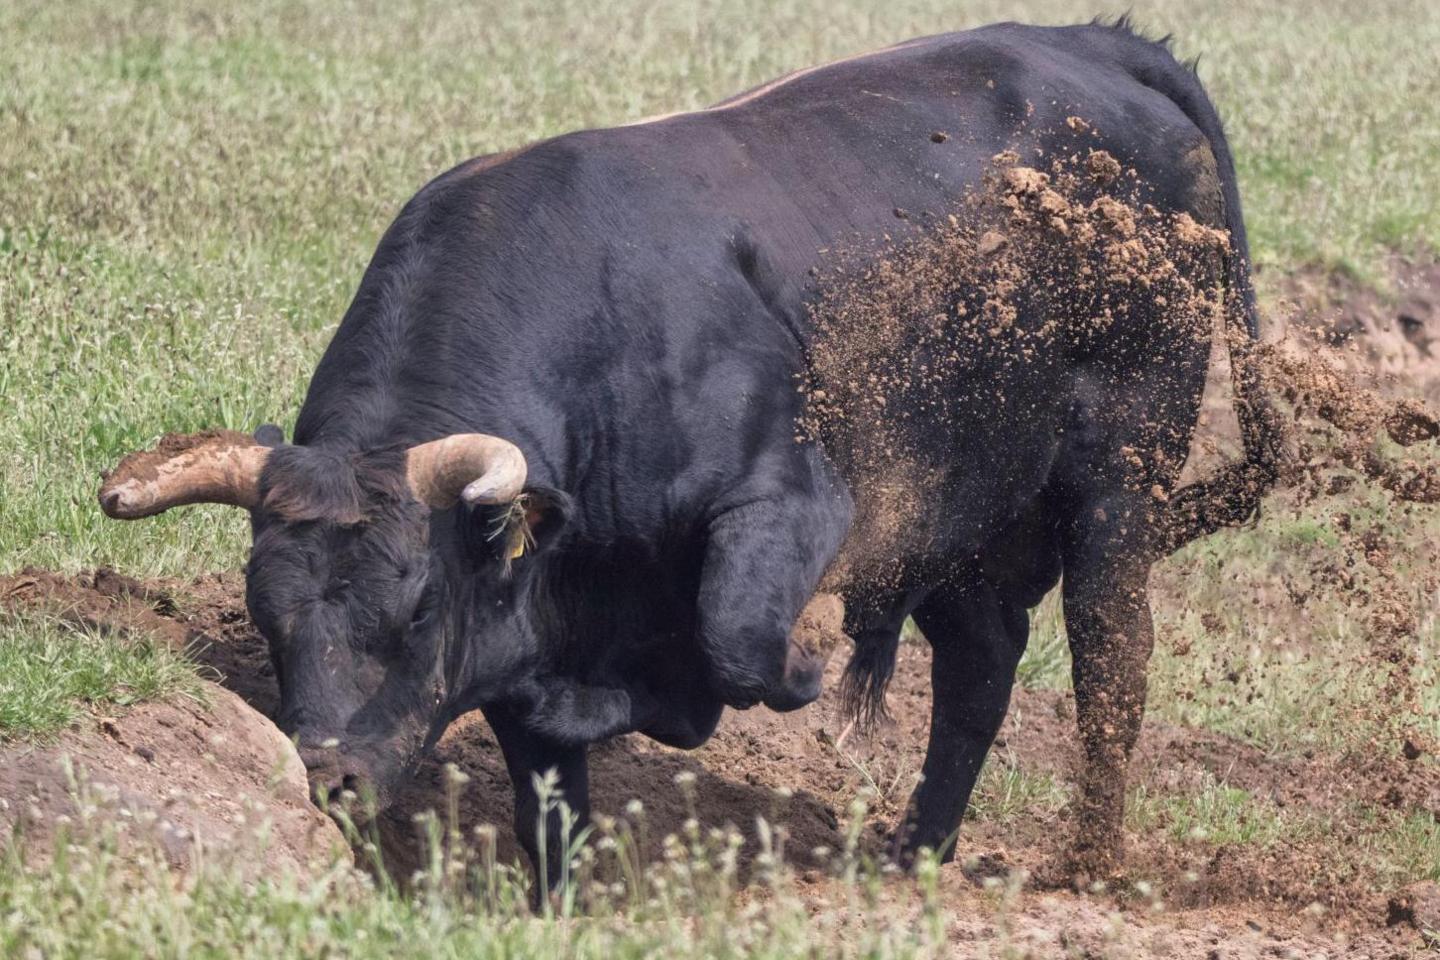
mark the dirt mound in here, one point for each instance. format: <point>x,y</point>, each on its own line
<point>216,778</point>
<point>213,777</point>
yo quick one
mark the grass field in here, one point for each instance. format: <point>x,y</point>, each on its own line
<point>189,193</point>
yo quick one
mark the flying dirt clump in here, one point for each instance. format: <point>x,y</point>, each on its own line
<point>1348,435</point>
<point>1345,421</point>
<point>1034,266</point>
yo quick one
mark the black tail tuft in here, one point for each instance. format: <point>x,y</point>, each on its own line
<point>867,676</point>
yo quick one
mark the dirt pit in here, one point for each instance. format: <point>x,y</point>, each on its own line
<point>801,771</point>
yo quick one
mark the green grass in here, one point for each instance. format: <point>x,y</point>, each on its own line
<point>1376,845</point>
<point>52,670</point>
<point>1046,663</point>
<point>1409,851</point>
<point>88,912</point>
<point>1006,790</point>
<point>189,193</point>
<point>1252,644</point>
<point>1215,813</point>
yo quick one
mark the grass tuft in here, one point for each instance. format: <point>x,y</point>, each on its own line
<point>51,670</point>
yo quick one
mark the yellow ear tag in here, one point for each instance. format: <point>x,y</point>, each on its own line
<point>517,545</point>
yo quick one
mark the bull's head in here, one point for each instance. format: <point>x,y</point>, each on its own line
<point>365,573</point>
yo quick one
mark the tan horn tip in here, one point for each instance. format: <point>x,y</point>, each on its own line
<point>215,466</point>
<point>118,507</point>
<point>474,467</point>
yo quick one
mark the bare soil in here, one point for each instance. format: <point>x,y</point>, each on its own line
<point>214,776</point>
<point>218,772</point>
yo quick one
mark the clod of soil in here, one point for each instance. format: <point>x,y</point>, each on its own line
<point>216,777</point>
<point>1417,906</point>
<point>820,628</point>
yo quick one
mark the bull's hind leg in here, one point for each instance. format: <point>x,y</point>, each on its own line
<point>1123,454</point>
<point>977,637</point>
<point>1107,618</point>
<point>763,562</point>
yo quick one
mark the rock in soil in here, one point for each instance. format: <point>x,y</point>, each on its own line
<point>1418,906</point>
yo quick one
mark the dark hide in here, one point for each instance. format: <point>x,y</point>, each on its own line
<point>629,307</point>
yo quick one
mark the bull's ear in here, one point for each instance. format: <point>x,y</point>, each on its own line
<point>269,435</point>
<point>529,524</point>
<point>546,514</point>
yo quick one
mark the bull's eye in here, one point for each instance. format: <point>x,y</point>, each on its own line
<point>424,613</point>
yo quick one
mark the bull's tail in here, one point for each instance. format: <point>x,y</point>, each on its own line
<point>867,676</point>
<point>1233,495</point>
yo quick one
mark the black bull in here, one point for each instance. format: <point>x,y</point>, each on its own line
<point>628,310</point>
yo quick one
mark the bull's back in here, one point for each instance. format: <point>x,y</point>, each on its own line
<point>879,145</point>
<point>661,274</point>
<point>845,163</point>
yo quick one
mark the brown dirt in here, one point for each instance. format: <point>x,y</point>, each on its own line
<point>801,770</point>
<point>1038,263</point>
<point>215,776</point>
<point>1390,338</point>
<point>148,465</point>
<point>1386,339</point>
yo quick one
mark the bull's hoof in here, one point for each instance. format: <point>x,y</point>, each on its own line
<point>911,843</point>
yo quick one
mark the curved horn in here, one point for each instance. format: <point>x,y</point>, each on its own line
<point>217,466</point>
<point>474,467</point>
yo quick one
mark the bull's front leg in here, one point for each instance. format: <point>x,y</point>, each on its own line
<point>763,562</point>
<point>1107,618</point>
<point>539,825</point>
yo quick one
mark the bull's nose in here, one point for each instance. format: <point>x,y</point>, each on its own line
<point>332,771</point>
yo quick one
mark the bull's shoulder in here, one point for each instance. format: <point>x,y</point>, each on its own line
<point>490,203</point>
